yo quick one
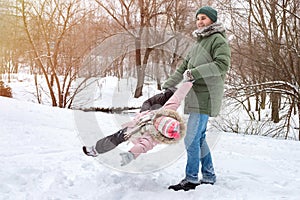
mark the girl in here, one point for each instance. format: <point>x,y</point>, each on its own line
<point>147,129</point>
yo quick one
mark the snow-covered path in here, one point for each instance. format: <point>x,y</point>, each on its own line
<point>41,158</point>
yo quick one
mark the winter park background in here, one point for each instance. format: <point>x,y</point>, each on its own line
<point>254,141</point>
<point>41,156</point>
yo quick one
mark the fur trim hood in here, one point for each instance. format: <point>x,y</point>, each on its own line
<point>209,30</point>
<point>158,136</point>
<point>146,125</point>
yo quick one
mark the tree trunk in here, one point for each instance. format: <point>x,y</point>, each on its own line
<point>37,88</point>
<point>298,104</point>
<point>139,69</point>
<point>157,70</point>
<point>275,100</point>
<point>263,100</point>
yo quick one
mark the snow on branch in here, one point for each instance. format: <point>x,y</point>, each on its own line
<point>281,87</point>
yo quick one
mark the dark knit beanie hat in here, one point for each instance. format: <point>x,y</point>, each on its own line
<point>209,12</point>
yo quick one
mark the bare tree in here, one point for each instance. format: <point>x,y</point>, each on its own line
<point>136,19</point>
<point>58,39</point>
<point>266,55</point>
<point>11,35</point>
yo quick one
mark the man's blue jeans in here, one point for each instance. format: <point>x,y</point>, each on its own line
<point>198,150</point>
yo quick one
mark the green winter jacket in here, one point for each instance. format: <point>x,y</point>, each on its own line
<point>209,61</point>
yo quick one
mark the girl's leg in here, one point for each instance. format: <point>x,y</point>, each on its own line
<point>110,142</point>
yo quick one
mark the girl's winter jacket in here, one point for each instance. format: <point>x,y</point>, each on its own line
<point>209,61</point>
<point>148,136</point>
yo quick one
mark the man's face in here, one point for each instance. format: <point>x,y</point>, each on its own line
<point>203,21</point>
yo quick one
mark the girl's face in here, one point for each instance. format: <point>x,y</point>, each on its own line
<point>203,21</point>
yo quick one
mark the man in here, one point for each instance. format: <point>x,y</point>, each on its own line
<point>207,64</point>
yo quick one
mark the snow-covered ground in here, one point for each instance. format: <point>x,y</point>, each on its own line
<point>41,158</point>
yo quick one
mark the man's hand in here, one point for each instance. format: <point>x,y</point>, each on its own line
<point>187,76</point>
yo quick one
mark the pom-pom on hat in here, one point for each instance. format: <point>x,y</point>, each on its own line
<point>168,126</point>
<point>209,12</point>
